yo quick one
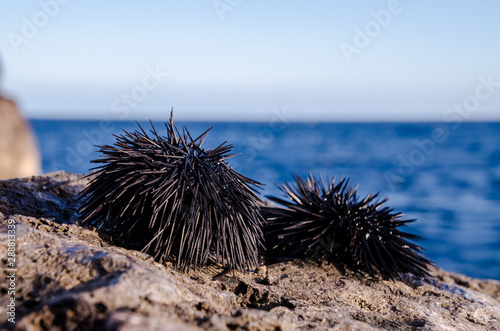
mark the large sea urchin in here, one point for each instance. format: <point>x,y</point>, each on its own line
<point>175,199</point>
<point>332,223</point>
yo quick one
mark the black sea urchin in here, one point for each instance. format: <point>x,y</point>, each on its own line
<point>175,199</point>
<point>332,223</point>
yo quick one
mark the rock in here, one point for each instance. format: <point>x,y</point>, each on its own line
<point>19,155</point>
<point>261,270</point>
<point>71,277</point>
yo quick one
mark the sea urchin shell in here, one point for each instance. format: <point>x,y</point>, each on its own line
<point>175,199</point>
<point>332,223</point>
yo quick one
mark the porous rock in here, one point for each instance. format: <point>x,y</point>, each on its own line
<point>19,155</point>
<point>70,277</point>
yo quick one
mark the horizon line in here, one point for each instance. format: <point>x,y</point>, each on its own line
<point>260,120</point>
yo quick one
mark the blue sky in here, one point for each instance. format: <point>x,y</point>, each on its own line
<point>243,60</point>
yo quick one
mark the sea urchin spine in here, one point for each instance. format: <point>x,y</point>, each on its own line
<point>175,199</point>
<point>332,223</point>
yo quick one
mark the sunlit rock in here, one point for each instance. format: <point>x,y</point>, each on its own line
<point>19,155</point>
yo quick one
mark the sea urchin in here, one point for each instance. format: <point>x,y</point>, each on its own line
<point>332,223</point>
<point>175,199</point>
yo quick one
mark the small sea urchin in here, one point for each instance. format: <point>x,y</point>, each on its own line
<point>175,199</point>
<point>330,222</point>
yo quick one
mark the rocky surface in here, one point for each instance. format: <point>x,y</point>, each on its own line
<point>19,155</point>
<point>69,277</point>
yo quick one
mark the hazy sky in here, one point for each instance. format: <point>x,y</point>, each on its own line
<point>245,60</point>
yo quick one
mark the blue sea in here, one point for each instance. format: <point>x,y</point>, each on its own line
<point>445,175</point>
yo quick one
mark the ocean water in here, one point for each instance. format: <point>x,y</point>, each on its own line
<point>447,176</point>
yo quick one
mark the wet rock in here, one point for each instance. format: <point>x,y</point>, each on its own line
<point>71,277</point>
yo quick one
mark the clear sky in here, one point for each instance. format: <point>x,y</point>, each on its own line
<point>244,60</point>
